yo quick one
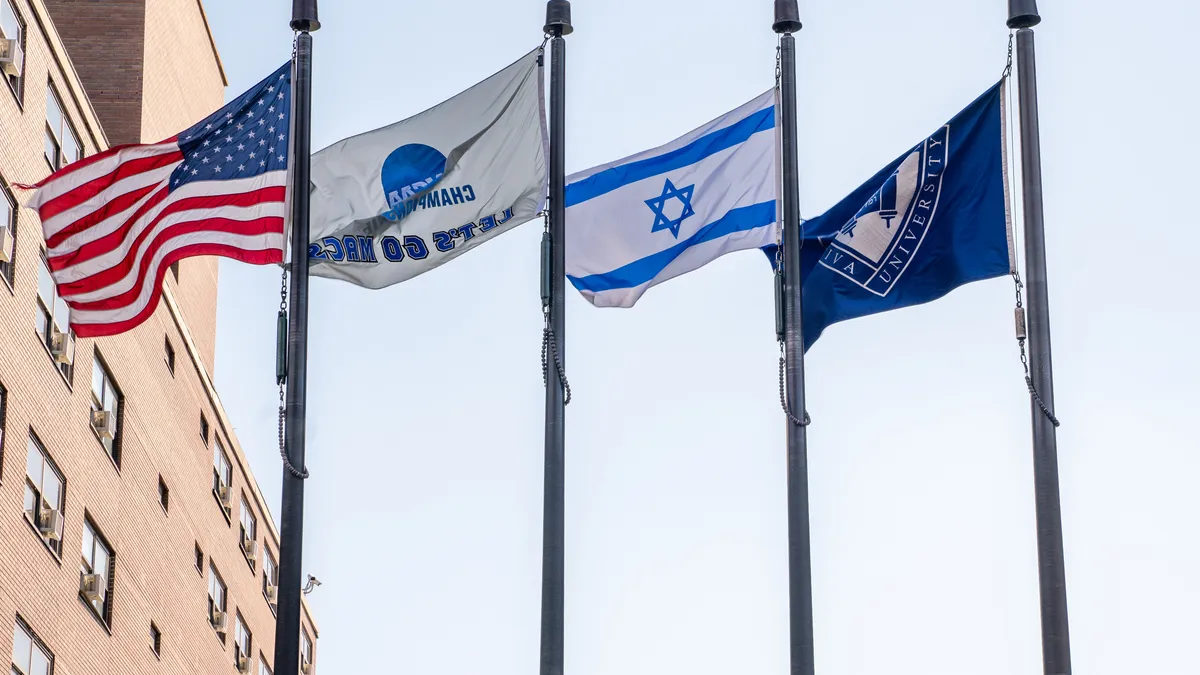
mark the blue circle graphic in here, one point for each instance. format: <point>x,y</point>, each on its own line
<point>409,170</point>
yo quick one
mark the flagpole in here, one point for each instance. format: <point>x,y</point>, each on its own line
<point>558,24</point>
<point>291,536</point>
<point>787,22</point>
<point>1052,576</point>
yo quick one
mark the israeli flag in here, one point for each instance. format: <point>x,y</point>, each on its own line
<point>934,219</point>
<point>639,221</point>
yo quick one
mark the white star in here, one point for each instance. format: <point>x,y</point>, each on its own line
<point>281,137</point>
<point>252,155</point>
<point>206,144</point>
<point>280,115</point>
<point>271,109</point>
<point>194,172</point>
<point>281,158</point>
<point>262,142</point>
<point>177,181</point>
<point>207,126</point>
<point>251,134</point>
<point>271,129</point>
<point>187,138</point>
<point>241,147</point>
<point>281,75</point>
<point>228,158</point>
<point>261,101</point>
<point>261,122</point>
<point>228,114</point>
<point>205,160</point>
<point>241,167</point>
<point>280,95</point>
<point>250,113</point>
<point>239,126</point>
<point>271,88</point>
<point>216,149</point>
<point>262,162</point>
<point>218,169</point>
<point>229,139</point>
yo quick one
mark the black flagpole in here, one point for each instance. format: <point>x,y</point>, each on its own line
<point>1052,575</point>
<point>787,21</point>
<point>558,24</point>
<point>291,536</point>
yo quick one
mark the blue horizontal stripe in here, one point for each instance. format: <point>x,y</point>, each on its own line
<point>639,272</point>
<point>610,179</point>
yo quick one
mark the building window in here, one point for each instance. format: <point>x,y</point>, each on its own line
<point>155,639</point>
<point>249,529</point>
<point>53,322</point>
<point>242,643</point>
<point>263,668</point>
<point>175,270</point>
<point>222,478</point>
<point>164,494</point>
<point>270,578</point>
<point>62,143</point>
<point>12,28</point>
<point>199,559</point>
<point>8,229</point>
<point>306,652</point>
<point>216,601</point>
<point>95,572</point>
<point>170,357</point>
<point>44,488</point>
<point>204,428</point>
<point>106,409</point>
<point>29,655</point>
<point>3,413</point>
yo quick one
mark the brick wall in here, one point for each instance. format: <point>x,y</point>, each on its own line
<point>155,578</point>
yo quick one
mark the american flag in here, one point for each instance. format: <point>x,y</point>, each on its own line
<point>115,222</point>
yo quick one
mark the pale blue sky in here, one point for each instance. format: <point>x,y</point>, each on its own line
<point>425,401</point>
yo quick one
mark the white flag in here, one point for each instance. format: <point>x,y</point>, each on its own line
<point>644,219</point>
<point>392,203</point>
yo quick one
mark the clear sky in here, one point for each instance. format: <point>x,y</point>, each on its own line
<point>425,401</point>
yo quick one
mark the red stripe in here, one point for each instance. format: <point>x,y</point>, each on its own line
<point>88,161</point>
<point>109,210</point>
<point>267,257</point>
<point>93,187</point>
<point>114,240</point>
<point>268,225</point>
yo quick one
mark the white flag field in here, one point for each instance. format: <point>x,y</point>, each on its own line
<point>398,201</point>
<point>642,220</point>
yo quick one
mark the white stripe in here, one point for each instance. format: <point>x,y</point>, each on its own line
<point>113,258</point>
<point>257,242</point>
<point>65,219</point>
<point>61,186</point>
<point>207,188</point>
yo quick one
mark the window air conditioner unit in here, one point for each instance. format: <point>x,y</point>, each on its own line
<point>92,587</point>
<point>104,423</point>
<point>243,663</point>
<point>223,495</point>
<point>62,346</point>
<point>218,620</point>
<point>249,547</point>
<point>273,595</point>
<point>12,59</point>
<point>6,243</point>
<point>50,523</point>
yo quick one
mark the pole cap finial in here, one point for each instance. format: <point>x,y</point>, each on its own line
<point>1023,14</point>
<point>558,18</point>
<point>787,17</point>
<point>304,15</point>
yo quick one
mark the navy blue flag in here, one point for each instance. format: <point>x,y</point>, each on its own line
<point>934,219</point>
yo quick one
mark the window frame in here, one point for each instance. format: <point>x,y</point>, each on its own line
<point>107,382</point>
<point>239,626</point>
<point>34,642</point>
<point>103,613</point>
<point>219,453</point>
<point>169,357</point>
<point>8,269</point>
<point>247,511</point>
<point>306,646</point>
<point>17,88</point>
<point>46,314</point>
<point>57,162</point>
<point>155,639</point>
<point>263,668</point>
<point>3,419</point>
<point>214,574</point>
<point>164,495</point>
<point>54,545</point>
<point>270,576</point>
<point>199,555</point>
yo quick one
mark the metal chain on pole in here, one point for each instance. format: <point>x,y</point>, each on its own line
<point>1019,315</point>
<point>549,343</point>
<point>1012,34</point>
<point>281,380</point>
<point>779,285</point>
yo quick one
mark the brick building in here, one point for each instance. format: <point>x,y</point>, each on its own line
<point>133,536</point>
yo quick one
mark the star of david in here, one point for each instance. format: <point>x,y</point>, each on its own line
<point>659,203</point>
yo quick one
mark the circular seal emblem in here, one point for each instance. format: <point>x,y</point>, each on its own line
<point>410,169</point>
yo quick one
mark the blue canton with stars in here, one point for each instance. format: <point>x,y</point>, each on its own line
<point>246,138</point>
<point>658,206</point>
